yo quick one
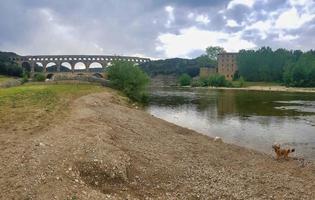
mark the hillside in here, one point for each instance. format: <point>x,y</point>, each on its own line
<point>177,66</point>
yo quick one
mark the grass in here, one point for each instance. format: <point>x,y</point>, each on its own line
<point>31,106</point>
<point>5,78</point>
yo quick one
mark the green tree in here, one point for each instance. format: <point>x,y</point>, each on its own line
<point>130,79</point>
<point>302,72</point>
<point>205,61</point>
<point>213,51</point>
<point>184,80</point>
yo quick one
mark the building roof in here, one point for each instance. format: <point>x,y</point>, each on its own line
<point>228,53</point>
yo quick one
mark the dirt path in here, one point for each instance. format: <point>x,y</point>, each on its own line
<point>106,150</point>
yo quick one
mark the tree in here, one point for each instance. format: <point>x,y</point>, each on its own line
<point>184,80</point>
<point>130,79</point>
<point>302,72</point>
<point>205,61</point>
<point>213,51</point>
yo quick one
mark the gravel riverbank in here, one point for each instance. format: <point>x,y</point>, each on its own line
<point>107,149</point>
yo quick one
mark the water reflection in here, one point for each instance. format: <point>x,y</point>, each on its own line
<point>247,118</point>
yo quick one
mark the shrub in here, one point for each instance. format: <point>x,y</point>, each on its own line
<point>24,78</point>
<point>130,79</point>
<point>204,81</point>
<point>40,77</point>
<point>184,80</point>
<point>218,80</point>
<point>197,83</point>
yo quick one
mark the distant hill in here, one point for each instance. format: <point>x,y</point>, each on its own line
<point>7,55</point>
<point>177,66</point>
<point>8,67</point>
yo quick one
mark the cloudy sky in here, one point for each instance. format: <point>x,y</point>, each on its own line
<point>154,28</point>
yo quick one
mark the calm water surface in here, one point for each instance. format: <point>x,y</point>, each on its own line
<point>252,119</point>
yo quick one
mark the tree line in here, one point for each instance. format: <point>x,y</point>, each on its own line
<point>291,67</point>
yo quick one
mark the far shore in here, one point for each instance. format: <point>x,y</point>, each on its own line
<point>270,88</point>
<point>255,88</point>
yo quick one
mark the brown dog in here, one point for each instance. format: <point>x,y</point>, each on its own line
<point>282,152</point>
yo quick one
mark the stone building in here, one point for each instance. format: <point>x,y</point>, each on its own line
<point>207,71</point>
<point>227,65</point>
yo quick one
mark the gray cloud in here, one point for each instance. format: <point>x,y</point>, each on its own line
<point>130,27</point>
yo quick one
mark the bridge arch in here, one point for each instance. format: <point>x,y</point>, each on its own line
<point>79,66</point>
<point>95,67</point>
<point>65,67</point>
<point>39,67</point>
<point>51,67</point>
<point>109,64</point>
<point>50,76</point>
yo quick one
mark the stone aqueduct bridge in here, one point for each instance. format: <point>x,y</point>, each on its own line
<point>87,60</point>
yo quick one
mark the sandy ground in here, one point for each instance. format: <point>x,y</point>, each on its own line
<point>105,149</point>
<point>271,88</point>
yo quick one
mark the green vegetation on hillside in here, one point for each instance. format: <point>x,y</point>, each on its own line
<point>130,79</point>
<point>8,67</point>
<point>179,66</point>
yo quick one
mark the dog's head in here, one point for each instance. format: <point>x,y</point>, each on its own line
<point>276,147</point>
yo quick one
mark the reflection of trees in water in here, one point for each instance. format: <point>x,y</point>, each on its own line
<point>264,103</point>
<point>156,99</point>
<point>220,104</point>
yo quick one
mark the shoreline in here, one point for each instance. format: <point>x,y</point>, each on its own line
<point>108,149</point>
<point>251,88</point>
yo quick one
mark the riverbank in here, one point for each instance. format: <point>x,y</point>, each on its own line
<point>104,148</point>
<point>258,88</point>
<point>273,89</point>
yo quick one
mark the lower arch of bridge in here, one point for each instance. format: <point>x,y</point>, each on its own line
<point>79,66</point>
<point>50,76</point>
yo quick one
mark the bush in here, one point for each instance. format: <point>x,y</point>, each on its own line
<point>40,77</point>
<point>241,81</point>
<point>218,81</point>
<point>130,79</point>
<point>197,83</point>
<point>184,80</point>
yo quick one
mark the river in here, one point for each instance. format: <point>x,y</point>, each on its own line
<point>252,119</point>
